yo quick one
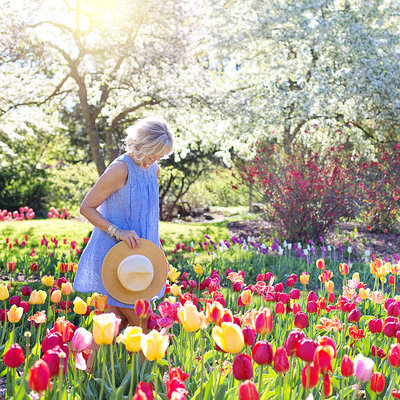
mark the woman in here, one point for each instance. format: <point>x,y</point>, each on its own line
<point>124,205</point>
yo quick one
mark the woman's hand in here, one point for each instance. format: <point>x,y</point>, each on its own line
<point>131,238</point>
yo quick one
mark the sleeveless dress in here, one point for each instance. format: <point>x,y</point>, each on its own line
<point>134,206</point>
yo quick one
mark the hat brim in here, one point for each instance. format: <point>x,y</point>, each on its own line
<point>114,257</point>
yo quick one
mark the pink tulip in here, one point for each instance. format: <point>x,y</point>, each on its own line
<point>82,340</point>
<point>363,367</point>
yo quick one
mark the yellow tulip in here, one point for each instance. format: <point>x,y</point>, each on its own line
<point>37,297</point>
<point>176,290</point>
<point>173,274</point>
<point>103,329</point>
<point>304,278</point>
<point>356,277</point>
<point>189,317</point>
<point>197,268</point>
<point>66,288</point>
<point>171,299</point>
<point>131,338</point>
<point>56,296</point>
<point>329,286</point>
<point>48,280</point>
<point>98,301</point>
<point>41,297</point>
<point>154,345</point>
<point>364,293</point>
<point>80,307</point>
<point>4,292</point>
<point>15,314</point>
<point>228,337</point>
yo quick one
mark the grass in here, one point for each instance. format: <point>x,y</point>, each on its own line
<point>170,232</point>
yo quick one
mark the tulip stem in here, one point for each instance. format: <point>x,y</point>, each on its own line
<point>132,371</point>
<point>5,323</point>
<point>260,378</point>
<point>308,376</point>
<point>202,364</point>
<point>74,378</point>
<point>103,374</point>
<point>60,378</point>
<point>112,367</point>
<point>221,361</point>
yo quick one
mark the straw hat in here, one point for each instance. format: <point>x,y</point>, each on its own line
<point>129,275</point>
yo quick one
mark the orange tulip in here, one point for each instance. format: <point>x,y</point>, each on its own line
<point>344,269</point>
<point>214,312</point>
<point>304,278</point>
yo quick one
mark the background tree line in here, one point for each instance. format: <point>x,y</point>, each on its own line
<point>231,76</point>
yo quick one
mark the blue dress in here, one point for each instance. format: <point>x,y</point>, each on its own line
<point>134,206</point>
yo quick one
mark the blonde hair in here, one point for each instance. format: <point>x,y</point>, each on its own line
<point>149,136</point>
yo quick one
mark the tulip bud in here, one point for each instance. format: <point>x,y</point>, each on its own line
<point>311,370</point>
<point>39,376</point>
<point>301,320</point>
<point>331,297</point>
<point>321,263</point>
<point>242,367</point>
<point>292,341</point>
<point>3,292</point>
<point>14,356</point>
<point>262,353</point>
<point>377,383</point>
<point>25,306</point>
<point>144,391</point>
<point>248,391</point>
<point>80,307</point>
<point>14,314</point>
<point>281,361</point>
<point>394,355</point>
<point>15,300</point>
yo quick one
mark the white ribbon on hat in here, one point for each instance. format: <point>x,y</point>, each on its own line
<point>135,272</point>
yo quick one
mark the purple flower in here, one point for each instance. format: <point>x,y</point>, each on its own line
<point>311,242</point>
<point>321,239</point>
<point>207,237</point>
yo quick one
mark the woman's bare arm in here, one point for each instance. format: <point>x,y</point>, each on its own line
<point>112,179</point>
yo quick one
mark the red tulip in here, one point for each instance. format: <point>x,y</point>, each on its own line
<point>375,325</point>
<point>301,320</point>
<point>294,294</point>
<point>237,287</point>
<point>264,321</point>
<point>323,358</point>
<point>144,391</point>
<point>313,380</point>
<point>306,350</point>
<point>279,308</point>
<point>51,340</point>
<point>293,339</point>
<point>39,376</point>
<point>278,287</point>
<point>312,296</point>
<point>312,307</point>
<point>391,280</point>
<point>281,361</point>
<point>25,306</point>
<point>346,367</point>
<point>393,309</point>
<point>26,291</point>
<point>377,382</point>
<point>249,336</point>
<point>242,367</point>
<point>15,300</point>
<point>262,353</point>
<point>296,308</point>
<point>247,391</point>
<point>354,315</point>
<point>14,356</point>
<point>52,357</point>
<point>394,355</point>
<point>327,385</point>
<point>331,297</point>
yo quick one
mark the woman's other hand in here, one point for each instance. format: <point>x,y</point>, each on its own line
<point>131,238</point>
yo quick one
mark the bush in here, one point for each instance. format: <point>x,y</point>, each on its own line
<point>22,181</point>
<point>382,187</point>
<point>307,192</point>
